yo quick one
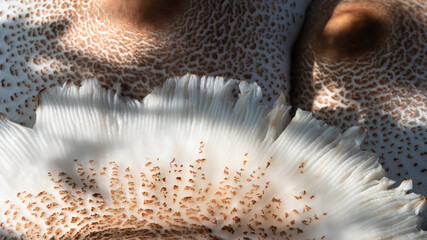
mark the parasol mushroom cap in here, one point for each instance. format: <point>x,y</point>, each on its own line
<point>141,43</point>
<point>362,62</point>
<point>192,161</point>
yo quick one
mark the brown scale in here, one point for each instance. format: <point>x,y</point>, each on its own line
<point>352,30</point>
<point>143,13</point>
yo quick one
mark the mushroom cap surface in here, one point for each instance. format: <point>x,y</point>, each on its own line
<point>192,161</point>
<point>141,43</point>
<point>363,63</point>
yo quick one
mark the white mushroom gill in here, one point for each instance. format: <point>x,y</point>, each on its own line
<point>140,43</point>
<point>192,161</point>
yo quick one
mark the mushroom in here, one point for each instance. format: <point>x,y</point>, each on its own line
<point>363,63</point>
<point>192,161</point>
<point>140,43</point>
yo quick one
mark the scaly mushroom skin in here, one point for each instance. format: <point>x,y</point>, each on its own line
<point>140,43</point>
<point>192,162</point>
<point>363,63</point>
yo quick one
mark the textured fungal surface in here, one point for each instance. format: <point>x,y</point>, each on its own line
<point>363,63</point>
<point>192,162</point>
<point>140,43</point>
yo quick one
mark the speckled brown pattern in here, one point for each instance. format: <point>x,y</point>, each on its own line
<point>165,213</point>
<point>49,42</point>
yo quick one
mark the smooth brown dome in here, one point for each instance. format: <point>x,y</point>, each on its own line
<point>153,13</point>
<point>352,30</point>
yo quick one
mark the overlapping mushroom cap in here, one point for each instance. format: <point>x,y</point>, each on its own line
<point>362,62</point>
<point>140,43</point>
<point>192,161</point>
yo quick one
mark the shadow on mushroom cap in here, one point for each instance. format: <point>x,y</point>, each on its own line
<point>48,43</point>
<point>375,81</point>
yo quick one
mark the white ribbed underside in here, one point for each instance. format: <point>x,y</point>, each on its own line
<point>312,168</point>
